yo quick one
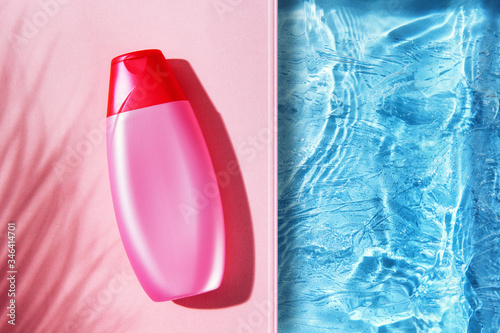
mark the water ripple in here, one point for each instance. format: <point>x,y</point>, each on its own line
<point>389,146</point>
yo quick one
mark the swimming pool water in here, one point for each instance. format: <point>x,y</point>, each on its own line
<point>389,154</point>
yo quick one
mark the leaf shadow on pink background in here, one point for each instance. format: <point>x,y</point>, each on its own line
<point>53,280</point>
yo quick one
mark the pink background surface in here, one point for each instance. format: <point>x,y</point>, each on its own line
<point>73,273</point>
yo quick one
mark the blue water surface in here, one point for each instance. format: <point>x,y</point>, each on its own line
<point>389,179</point>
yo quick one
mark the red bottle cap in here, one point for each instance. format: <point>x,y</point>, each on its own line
<point>140,79</point>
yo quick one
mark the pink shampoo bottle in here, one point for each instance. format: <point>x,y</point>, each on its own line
<point>165,194</point>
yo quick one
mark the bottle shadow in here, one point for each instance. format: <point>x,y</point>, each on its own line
<point>239,270</point>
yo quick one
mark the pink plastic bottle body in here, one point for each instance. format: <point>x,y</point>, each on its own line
<point>166,199</point>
